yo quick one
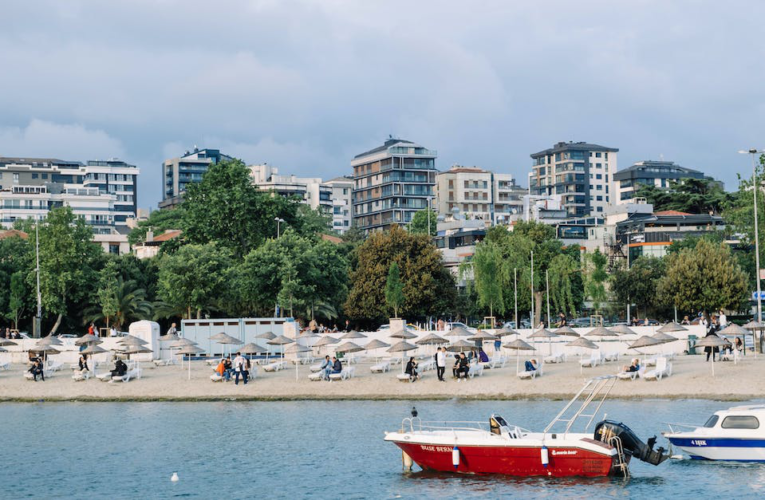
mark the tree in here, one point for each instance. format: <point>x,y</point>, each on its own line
<point>394,290</point>
<point>195,277</point>
<point>419,223</point>
<point>107,292</point>
<point>126,303</point>
<point>226,208</point>
<point>596,277</point>
<point>638,284</point>
<point>69,263</point>
<point>696,196</point>
<point>15,259</point>
<point>16,303</point>
<point>428,287</point>
<point>705,278</point>
<point>486,270</point>
<point>313,221</point>
<point>158,222</point>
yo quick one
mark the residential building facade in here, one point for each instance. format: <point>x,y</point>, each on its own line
<point>651,173</point>
<point>310,190</point>
<point>391,183</point>
<point>342,208</point>
<point>103,193</point>
<point>580,172</point>
<point>479,194</point>
<point>179,172</point>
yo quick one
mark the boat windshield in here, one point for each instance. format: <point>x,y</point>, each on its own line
<point>712,421</point>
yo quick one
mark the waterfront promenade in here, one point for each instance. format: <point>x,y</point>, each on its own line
<point>691,378</point>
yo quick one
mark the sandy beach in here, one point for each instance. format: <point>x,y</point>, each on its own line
<point>691,378</point>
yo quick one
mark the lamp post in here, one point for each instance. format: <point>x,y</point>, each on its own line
<point>755,187</point>
<point>278,222</point>
<point>38,318</point>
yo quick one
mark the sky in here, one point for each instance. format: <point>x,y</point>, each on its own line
<point>305,85</point>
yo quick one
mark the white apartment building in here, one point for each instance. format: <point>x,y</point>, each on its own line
<point>103,193</point>
<point>342,208</point>
<point>479,194</point>
<point>582,173</point>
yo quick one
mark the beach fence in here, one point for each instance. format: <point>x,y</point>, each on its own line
<point>244,329</point>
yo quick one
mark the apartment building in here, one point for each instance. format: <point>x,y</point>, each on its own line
<point>179,172</point>
<point>342,208</point>
<point>479,194</point>
<point>103,193</point>
<point>582,173</point>
<point>651,173</point>
<point>391,183</point>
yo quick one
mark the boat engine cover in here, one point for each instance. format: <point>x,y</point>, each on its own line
<point>608,429</point>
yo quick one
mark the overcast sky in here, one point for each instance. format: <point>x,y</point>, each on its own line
<point>305,85</point>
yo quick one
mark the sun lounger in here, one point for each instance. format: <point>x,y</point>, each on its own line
<point>556,358</point>
<point>5,366</point>
<point>403,377</point>
<point>215,377</point>
<point>611,356</point>
<point>475,369</point>
<point>104,377</point>
<point>631,375</point>
<point>167,362</point>
<point>127,377</point>
<point>527,375</point>
<point>316,376</point>
<point>347,373</point>
<point>275,366</point>
<point>315,368</point>
<point>592,361</point>
<point>650,361</point>
<point>381,367</point>
<point>663,369</point>
<point>426,365</point>
<point>81,375</point>
<point>53,367</point>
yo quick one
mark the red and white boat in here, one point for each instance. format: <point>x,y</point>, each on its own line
<point>501,448</point>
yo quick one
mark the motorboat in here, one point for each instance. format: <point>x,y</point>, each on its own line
<point>735,434</point>
<point>497,447</point>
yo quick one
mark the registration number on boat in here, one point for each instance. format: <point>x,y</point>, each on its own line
<point>441,449</point>
<point>698,442</point>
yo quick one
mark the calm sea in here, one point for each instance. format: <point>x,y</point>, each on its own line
<point>310,449</point>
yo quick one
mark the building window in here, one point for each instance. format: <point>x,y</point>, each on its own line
<point>600,209</point>
<point>599,187</point>
<point>44,176</point>
<point>34,176</point>
<point>599,198</point>
<point>597,155</point>
<point>599,176</point>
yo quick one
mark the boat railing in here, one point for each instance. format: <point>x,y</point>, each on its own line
<point>685,426</point>
<point>594,393</point>
<point>416,424</point>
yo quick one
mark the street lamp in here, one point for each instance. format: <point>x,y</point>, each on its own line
<point>278,222</point>
<point>755,186</point>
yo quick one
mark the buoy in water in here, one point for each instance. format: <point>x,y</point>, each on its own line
<point>545,456</point>
<point>407,461</point>
<point>456,457</point>
<point>174,477</point>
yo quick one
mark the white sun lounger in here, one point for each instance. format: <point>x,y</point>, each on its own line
<point>81,375</point>
<point>663,369</point>
<point>104,377</point>
<point>611,356</point>
<point>496,361</point>
<point>53,367</point>
<point>631,375</point>
<point>556,358</point>
<point>592,361</point>
<point>476,369</point>
<point>404,377</point>
<point>315,368</point>
<point>347,373</point>
<point>527,375</point>
<point>127,377</point>
<point>275,366</point>
<point>316,376</point>
<point>383,366</point>
<point>426,365</point>
<point>166,362</point>
<point>4,366</point>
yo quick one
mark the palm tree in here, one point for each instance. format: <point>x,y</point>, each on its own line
<point>130,305</point>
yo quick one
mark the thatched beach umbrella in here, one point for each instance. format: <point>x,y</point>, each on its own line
<point>504,332</point>
<point>190,350</point>
<point>251,348</point>
<point>226,339</point>
<point>402,347</point>
<point>519,345</point>
<point>600,331</point>
<point>180,344</point>
<point>325,341</point>
<point>88,339</point>
<point>403,334</point>
<point>712,341</point>
<point>49,340</point>
<point>266,335</point>
<point>139,349</point>
<point>622,330</point>
<point>353,334</point>
<point>482,335</point>
<point>566,331</point>
<point>296,349</point>
<point>460,331</point>
<point>45,349</point>
<point>582,343</point>
<point>431,339</point>
<point>348,347</point>
<point>280,340</point>
<point>6,342</point>
<point>168,337</point>
<point>375,344</point>
<point>92,349</point>
<point>644,341</point>
<point>672,327</point>
<point>544,333</point>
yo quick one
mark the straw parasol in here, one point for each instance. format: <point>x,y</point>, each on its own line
<point>672,327</point>
<point>432,339</point>
<point>566,331</point>
<point>482,335</point>
<point>88,339</point>
<point>353,334</point>
<point>584,344</point>
<point>45,350</point>
<point>49,340</point>
<point>622,330</point>
<point>132,340</point>
<point>645,341</point>
<point>180,344</point>
<point>460,331</point>
<point>375,344</point>
<point>280,340</point>
<point>461,346</point>
<point>712,341</point>
<point>168,337</point>
<point>600,331</point>
<point>519,345</point>
<point>266,335</point>
<point>402,347</point>
<point>326,340</point>
<point>348,347</point>
<point>401,334</point>
<point>251,348</point>
<point>544,333</point>
<point>93,348</point>
<point>504,332</point>
<point>226,339</point>
<point>189,350</point>
<point>6,342</point>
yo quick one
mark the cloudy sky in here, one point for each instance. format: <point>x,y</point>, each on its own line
<point>305,85</point>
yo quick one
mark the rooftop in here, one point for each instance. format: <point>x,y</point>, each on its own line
<point>13,233</point>
<point>390,142</point>
<point>573,146</point>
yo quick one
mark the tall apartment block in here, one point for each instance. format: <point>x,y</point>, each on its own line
<point>651,173</point>
<point>581,173</point>
<point>480,194</point>
<point>391,183</point>
<point>103,193</point>
<point>177,173</point>
<point>342,209</point>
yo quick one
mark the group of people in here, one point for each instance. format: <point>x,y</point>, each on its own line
<point>10,335</point>
<point>240,366</point>
<point>330,366</point>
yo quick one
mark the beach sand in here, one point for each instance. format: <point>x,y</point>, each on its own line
<point>691,378</point>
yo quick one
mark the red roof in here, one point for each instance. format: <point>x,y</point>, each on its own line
<point>168,235</point>
<point>331,239</point>
<point>13,232</point>
<point>671,212</point>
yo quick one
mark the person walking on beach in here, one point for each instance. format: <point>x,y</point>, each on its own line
<point>440,363</point>
<point>239,369</point>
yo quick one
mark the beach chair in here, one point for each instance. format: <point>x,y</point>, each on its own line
<point>528,375</point>
<point>631,375</point>
<point>5,366</point>
<point>347,373</point>
<point>316,376</point>
<point>315,368</point>
<point>275,366</point>
<point>380,367</point>
<point>476,369</point>
<point>216,377</point>
<point>555,358</point>
<point>53,367</point>
<point>650,361</point>
<point>132,372</point>
<point>592,361</point>
<point>167,362</point>
<point>104,377</point>
<point>497,361</point>
<point>81,376</point>
<point>663,369</point>
<point>610,356</point>
<point>404,377</point>
<point>426,365</point>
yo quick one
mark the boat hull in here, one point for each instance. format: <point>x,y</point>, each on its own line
<point>728,449</point>
<point>513,461</point>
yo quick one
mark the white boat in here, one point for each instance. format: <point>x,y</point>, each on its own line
<point>736,434</point>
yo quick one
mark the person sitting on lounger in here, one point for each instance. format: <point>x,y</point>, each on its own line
<point>456,365</point>
<point>530,365</point>
<point>221,368</point>
<point>482,356</point>
<point>411,369</point>
<point>38,369</point>
<point>83,363</point>
<point>337,366</point>
<point>228,367</point>
<point>463,367</point>
<point>633,367</point>
<point>120,368</point>
<point>326,366</point>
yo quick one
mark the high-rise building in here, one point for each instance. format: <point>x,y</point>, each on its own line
<point>391,183</point>
<point>479,194</point>
<point>342,216</point>
<point>103,193</point>
<point>581,173</point>
<point>177,173</point>
<point>310,190</point>
<point>651,173</point>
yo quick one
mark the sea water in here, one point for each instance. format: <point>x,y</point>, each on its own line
<point>314,449</point>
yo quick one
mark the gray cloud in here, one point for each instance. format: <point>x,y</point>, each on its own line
<point>305,85</point>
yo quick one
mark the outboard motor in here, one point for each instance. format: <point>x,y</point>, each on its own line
<point>608,429</point>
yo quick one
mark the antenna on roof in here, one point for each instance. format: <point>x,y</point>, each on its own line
<point>661,156</point>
